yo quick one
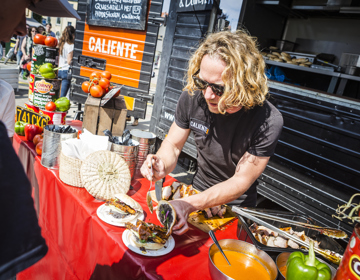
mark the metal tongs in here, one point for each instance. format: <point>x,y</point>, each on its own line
<point>331,232</point>
<point>333,258</point>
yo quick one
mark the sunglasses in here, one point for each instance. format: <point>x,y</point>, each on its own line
<point>201,84</point>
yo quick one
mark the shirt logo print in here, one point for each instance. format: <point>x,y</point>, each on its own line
<point>197,126</point>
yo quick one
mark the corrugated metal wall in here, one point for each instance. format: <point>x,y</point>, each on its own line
<point>317,162</point>
<point>183,33</point>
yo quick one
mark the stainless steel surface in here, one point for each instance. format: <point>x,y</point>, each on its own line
<point>129,153</point>
<point>322,67</point>
<point>350,77</point>
<point>310,56</point>
<point>339,2</point>
<point>302,68</point>
<point>158,189</point>
<point>243,247</point>
<point>147,144</point>
<point>280,232</point>
<point>283,257</point>
<point>336,67</point>
<point>352,70</point>
<point>337,232</point>
<point>213,237</point>
<point>52,147</point>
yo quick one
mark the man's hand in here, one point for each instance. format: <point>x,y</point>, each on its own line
<point>158,168</point>
<point>183,210</point>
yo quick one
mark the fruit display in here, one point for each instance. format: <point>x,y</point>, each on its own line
<point>31,130</point>
<point>20,128</point>
<point>56,110</point>
<point>62,104</point>
<point>48,41</point>
<point>98,84</point>
<point>50,106</point>
<point>47,70</point>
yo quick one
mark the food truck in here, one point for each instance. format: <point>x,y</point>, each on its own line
<point>121,38</point>
<point>316,166</point>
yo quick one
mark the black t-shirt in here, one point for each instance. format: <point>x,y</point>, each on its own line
<point>222,140</point>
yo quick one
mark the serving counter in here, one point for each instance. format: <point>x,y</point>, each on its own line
<point>81,246</point>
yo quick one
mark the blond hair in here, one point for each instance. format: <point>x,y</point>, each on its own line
<point>244,76</point>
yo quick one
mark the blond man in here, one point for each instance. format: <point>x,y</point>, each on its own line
<point>235,128</point>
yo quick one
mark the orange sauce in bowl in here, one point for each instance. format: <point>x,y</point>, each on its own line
<point>242,267</point>
<point>283,270</point>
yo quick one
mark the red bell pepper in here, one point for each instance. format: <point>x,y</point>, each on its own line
<point>31,130</point>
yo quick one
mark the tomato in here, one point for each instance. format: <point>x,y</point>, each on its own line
<point>38,138</point>
<point>95,75</point>
<point>39,39</point>
<point>85,86</point>
<point>50,106</point>
<point>104,83</point>
<point>38,148</point>
<point>28,66</point>
<point>95,81</point>
<point>51,41</point>
<point>106,75</point>
<point>96,91</point>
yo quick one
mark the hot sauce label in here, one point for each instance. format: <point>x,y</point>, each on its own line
<point>45,91</point>
<point>349,268</point>
<point>31,87</point>
<point>43,87</point>
<point>354,266</point>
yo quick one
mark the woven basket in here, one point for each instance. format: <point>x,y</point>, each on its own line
<point>69,171</point>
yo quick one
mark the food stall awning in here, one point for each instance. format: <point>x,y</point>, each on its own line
<point>32,22</point>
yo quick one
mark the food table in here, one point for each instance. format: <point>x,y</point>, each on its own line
<point>81,246</point>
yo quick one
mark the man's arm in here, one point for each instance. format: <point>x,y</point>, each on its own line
<point>247,171</point>
<point>172,145</point>
<point>166,158</point>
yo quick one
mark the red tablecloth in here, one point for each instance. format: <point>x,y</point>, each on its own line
<point>81,246</point>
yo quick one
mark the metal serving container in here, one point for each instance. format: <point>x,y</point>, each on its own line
<point>52,147</point>
<point>325,241</point>
<point>245,248</point>
<point>129,153</point>
<point>147,144</point>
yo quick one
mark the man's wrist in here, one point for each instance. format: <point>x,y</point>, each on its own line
<point>193,203</point>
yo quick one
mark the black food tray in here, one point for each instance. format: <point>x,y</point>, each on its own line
<point>326,242</point>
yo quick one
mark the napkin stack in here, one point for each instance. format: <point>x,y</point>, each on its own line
<point>87,144</point>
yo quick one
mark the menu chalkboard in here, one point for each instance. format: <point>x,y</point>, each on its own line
<point>129,14</point>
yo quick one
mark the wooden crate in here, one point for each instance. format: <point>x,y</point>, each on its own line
<point>111,116</point>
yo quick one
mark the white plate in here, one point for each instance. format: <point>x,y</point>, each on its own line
<point>103,213</point>
<point>169,246</point>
